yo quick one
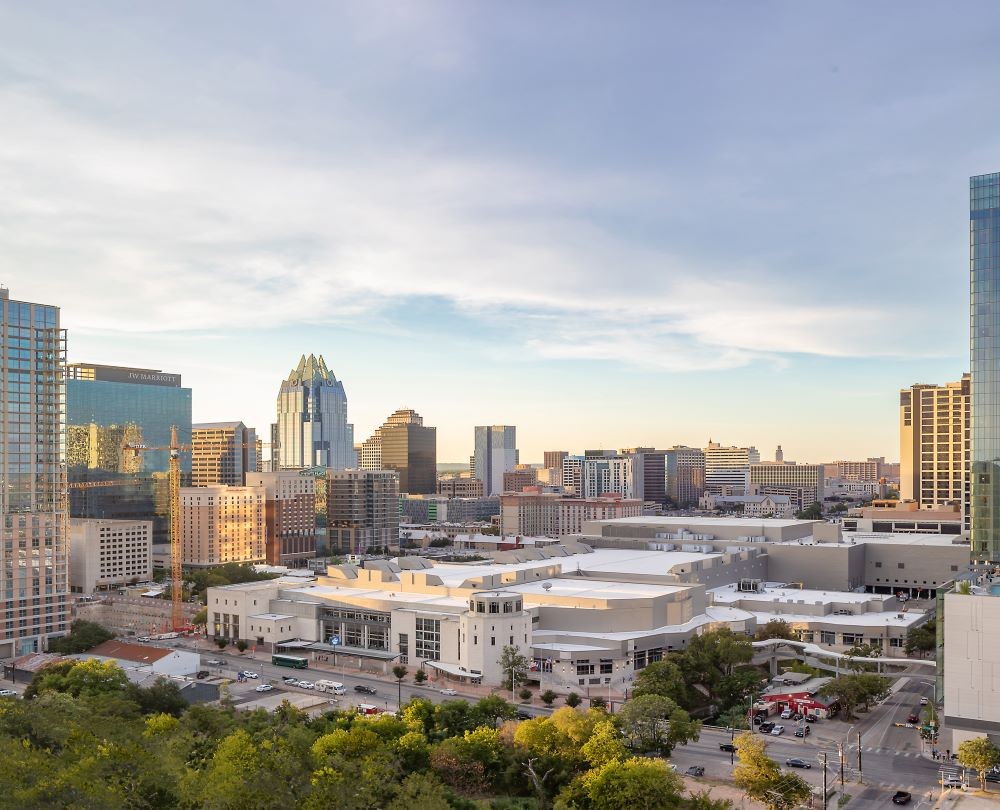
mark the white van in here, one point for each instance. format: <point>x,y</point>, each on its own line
<point>331,686</point>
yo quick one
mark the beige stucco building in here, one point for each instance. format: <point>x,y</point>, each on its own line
<point>221,524</point>
<point>107,554</point>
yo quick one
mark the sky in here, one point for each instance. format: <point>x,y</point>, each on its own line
<point>607,224</point>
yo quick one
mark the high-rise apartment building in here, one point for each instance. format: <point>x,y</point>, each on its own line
<point>612,475</point>
<point>572,475</point>
<point>289,516</point>
<point>934,425</point>
<point>34,554</point>
<point>221,524</point>
<point>553,459</point>
<point>984,262</point>
<point>496,453</point>
<point>313,430</point>
<point>727,469</point>
<point>223,453</point>
<point>802,483</point>
<point>118,422</point>
<point>649,472</point>
<point>685,474</point>
<point>406,446</point>
<point>362,508</point>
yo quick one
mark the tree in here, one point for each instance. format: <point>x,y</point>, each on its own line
<point>82,636</point>
<point>853,690</point>
<point>604,745</point>
<point>421,791</point>
<point>812,512</point>
<point>663,678</point>
<point>657,723</point>
<point>863,651</point>
<point>979,755</point>
<point>399,672</point>
<point>760,777</point>
<point>419,676</point>
<point>241,645</point>
<point>513,665</point>
<point>632,783</point>
<point>573,700</point>
<point>775,628</point>
<point>735,688</point>
<point>547,697</point>
<point>922,639</point>
<point>598,703</point>
<point>490,710</point>
<point>524,695</point>
<point>201,617</point>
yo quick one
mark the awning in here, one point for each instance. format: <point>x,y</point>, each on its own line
<point>454,669</point>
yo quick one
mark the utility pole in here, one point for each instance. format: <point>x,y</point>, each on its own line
<point>824,780</point>
<point>840,755</point>
<point>860,780</point>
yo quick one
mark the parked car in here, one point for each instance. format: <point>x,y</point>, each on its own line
<point>727,747</point>
<point>365,689</point>
<point>264,687</point>
<point>796,717</point>
<point>306,685</point>
<point>214,662</point>
<point>695,770</point>
<point>251,675</point>
<point>811,718</point>
<point>993,776</point>
<point>448,691</point>
<point>765,728</point>
<point>8,693</point>
<point>524,716</point>
<point>777,731</point>
<point>290,680</point>
<point>901,797</point>
<point>924,701</point>
<point>802,731</point>
<point>795,762</point>
<point>786,714</point>
<point>202,674</point>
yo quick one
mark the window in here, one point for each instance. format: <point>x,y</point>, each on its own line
<point>895,642</point>
<point>827,637</point>
<point>878,565</point>
<point>428,639</point>
<point>901,565</point>
<point>583,668</point>
<point>850,639</point>
<point>494,607</point>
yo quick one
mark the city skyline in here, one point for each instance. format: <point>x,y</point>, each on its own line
<point>449,194</point>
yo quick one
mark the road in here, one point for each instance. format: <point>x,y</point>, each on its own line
<point>885,771</point>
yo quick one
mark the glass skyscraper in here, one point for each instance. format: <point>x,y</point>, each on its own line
<point>113,414</point>
<point>984,260</point>
<point>34,546</point>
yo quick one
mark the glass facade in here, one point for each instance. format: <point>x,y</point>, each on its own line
<point>33,539</point>
<point>984,260</point>
<point>109,426</point>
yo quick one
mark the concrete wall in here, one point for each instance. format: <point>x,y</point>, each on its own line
<point>972,664</point>
<point>821,567</point>
<point>904,566</point>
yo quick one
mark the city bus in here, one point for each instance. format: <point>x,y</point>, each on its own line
<point>293,661</point>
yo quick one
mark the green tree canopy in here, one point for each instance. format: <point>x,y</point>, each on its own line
<point>979,755</point>
<point>82,636</point>
<point>760,777</point>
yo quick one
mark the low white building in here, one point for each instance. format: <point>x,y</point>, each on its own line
<point>140,660</point>
<point>108,554</point>
<point>751,506</point>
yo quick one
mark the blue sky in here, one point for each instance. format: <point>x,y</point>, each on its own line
<point>610,225</point>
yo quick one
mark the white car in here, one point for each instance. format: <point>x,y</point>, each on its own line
<point>8,693</point>
<point>251,675</point>
<point>777,731</point>
<point>264,687</point>
<point>448,692</point>
<point>924,701</point>
<point>952,782</point>
<point>786,714</point>
<point>306,685</point>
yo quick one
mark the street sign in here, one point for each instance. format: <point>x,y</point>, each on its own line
<point>334,641</point>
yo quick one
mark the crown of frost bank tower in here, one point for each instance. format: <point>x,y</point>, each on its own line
<point>312,426</point>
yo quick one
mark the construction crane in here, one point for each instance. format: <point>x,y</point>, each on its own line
<point>174,487</point>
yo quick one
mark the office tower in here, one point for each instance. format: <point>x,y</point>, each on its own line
<point>362,510</point>
<point>496,453</point>
<point>313,430</point>
<point>222,453</point>
<point>34,556</point>
<point>727,469</point>
<point>572,474</point>
<point>108,554</point>
<point>221,524</point>
<point>275,448</point>
<point>553,459</point>
<point>289,516</point>
<point>802,483</point>
<point>606,475</point>
<point>649,472</point>
<point>459,486</point>
<point>405,445</point>
<point>934,445</point>
<point>118,422</point>
<point>685,474</point>
<point>779,455</point>
<point>520,477</point>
